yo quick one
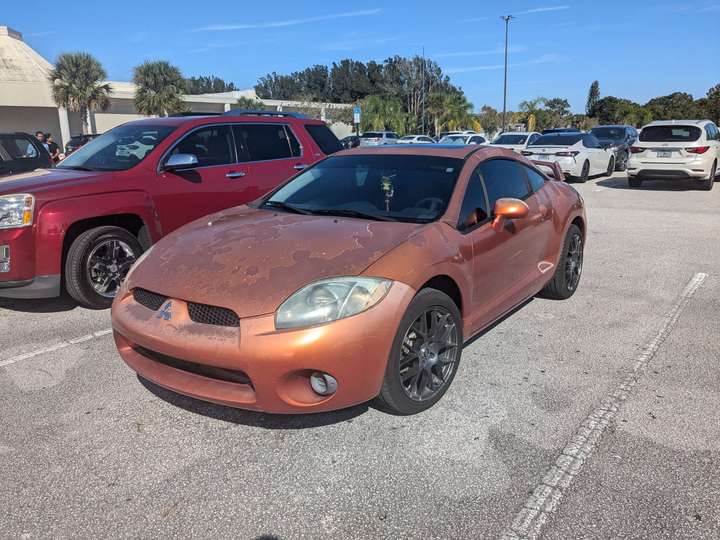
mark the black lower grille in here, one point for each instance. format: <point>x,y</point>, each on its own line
<point>217,316</point>
<point>211,372</point>
<point>661,174</point>
<point>150,300</point>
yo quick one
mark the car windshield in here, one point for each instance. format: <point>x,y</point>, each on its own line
<point>454,139</point>
<point>557,140</point>
<point>371,135</point>
<point>670,134</point>
<point>118,149</point>
<point>383,187</point>
<point>510,139</point>
<point>608,133</point>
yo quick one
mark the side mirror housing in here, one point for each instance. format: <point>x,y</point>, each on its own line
<point>178,162</point>
<point>509,208</point>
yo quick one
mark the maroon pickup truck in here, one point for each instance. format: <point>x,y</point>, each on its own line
<point>81,225</point>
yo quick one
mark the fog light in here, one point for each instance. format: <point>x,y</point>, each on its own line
<point>323,384</point>
<point>4,259</point>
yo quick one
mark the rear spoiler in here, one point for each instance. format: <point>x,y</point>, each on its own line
<point>551,169</point>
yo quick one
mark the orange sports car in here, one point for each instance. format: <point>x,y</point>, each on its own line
<point>361,277</point>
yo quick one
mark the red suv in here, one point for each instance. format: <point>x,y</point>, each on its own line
<point>83,224</point>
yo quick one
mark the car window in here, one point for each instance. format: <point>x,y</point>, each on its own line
<point>474,208</point>
<point>391,136</point>
<point>536,179</point>
<point>262,142</point>
<point>670,134</point>
<point>211,146</point>
<point>534,137</point>
<point>503,178</point>
<point>590,141</point>
<point>324,138</point>
<point>426,139</point>
<point>19,147</point>
<point>562,139</point>
<point>295,149</point>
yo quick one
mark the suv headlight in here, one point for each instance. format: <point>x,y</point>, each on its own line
<point>329,300</point>
<point>16,210</point>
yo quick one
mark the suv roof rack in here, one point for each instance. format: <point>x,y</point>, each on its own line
<point>261,112</point>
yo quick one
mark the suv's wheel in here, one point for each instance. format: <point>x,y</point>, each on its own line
<point>425,354</point>
<point>708,183</point>
<point>634,182</point>
<point>611,166</point>
<point>97,262</point>
<point>622,162</point>
<point>566,278</point>
<point>584,173</point>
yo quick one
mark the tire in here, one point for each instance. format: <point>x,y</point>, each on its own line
<point>634,182</point>
<point>585,173</point>
<point>410,351</point>
<point>611,166</point>
<point>708,183</point>
<point>622,163</point>
<point>82,281</point>
<point>561,287</point>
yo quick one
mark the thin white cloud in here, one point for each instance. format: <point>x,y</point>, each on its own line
<point>712,8</point>
<point>544,59</point>
<point>541,10</point>
<point>290,22</point>
<point>475,19</point>
<point>498,50</point>
<point>358,44</point>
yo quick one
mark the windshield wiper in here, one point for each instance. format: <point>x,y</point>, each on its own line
<point>289,207</point>
<point>349,212</point>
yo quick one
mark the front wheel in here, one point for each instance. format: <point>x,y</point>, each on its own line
<point>622,163</point>
<point>566,278</point>
<point>425,354</point>
<point>611,166</point>
<point>97,262</point>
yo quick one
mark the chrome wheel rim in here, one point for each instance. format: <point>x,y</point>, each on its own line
<point>107,265</point>
<point>573,261</point>
<point>428,354</point>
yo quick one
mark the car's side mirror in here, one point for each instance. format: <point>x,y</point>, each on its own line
<point>509,208</point>
<point>177,162</point>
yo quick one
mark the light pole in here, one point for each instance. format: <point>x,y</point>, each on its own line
<point>507,19</point>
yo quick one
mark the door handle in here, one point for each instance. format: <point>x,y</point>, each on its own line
<point>299,166</point>
<point>237,174</point>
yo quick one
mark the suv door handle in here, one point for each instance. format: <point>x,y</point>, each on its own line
<point>236,174</point>
<point>299,166</point>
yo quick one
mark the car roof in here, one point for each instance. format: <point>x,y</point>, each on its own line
<point>176,121</point>
<point>459,151</point>
<point>677,122</point>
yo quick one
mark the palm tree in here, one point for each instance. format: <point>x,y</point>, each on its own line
<point>457,111</point>
<point>381,113</point>
<point>77,85</point>
<point>160,87</point>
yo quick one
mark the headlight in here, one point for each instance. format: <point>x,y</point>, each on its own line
<point>330,300</point>
<point>16,210</point>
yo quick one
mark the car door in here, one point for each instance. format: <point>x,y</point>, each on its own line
<point>598,157</point>
<point>184,195</point>
<point>504,258</point>
<point>269,154</point>
<point>23,154</point>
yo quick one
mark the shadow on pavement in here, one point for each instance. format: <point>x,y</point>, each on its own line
<point>45,305</point>
<point>651,185</point>
<point>252,418</point>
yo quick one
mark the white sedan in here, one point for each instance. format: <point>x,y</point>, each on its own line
<point>415,139</point>
<point>515,140</point>
<point>578,154</point>
<point>463,139</point>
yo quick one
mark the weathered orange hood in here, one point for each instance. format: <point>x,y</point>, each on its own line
<point>251,260</point>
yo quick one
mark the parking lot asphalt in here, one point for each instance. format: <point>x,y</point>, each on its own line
<point>89,450</point>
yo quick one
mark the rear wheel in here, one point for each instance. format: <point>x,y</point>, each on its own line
<point>565,281</point>
<point>634,182</point>
<point>425,354</point>
<point>97,262</point>
<point>708,183</point>
<point>611,166</point>
<point>622,162</point>
<point>584,173</point>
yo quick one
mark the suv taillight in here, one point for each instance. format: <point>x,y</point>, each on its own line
<point>636,150</point>
<point>697,150</point>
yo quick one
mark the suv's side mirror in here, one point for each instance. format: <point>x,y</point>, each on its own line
<point>178,162</point>
<point>510,208</point>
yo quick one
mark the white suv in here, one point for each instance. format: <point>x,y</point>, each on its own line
<point>675,149</point>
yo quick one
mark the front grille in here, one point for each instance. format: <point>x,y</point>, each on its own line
<point>217,316</point>
<point>150,300</point>
<point>211,372</point>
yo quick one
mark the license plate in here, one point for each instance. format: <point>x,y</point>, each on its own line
<point>544,156</point>
<point>664,153</point>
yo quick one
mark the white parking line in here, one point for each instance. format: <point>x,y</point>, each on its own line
<point>545,498</point>
<point>56,347</point>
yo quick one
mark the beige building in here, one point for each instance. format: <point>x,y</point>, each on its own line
<point>26,102</point>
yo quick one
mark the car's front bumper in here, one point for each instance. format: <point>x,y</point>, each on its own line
<point>276,363</point>
<point>17,267</point>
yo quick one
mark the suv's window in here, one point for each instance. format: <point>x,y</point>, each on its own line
<point>19,147</point>
<point>118,149</point>
<point>536,179</point>
<point>261,142</point>
<point>670,134</point>
<point>503,178</point>
<point>324,138</point>
<point>474,206</point>
<point>294,144</point>
<point>211,146</point>
<point>391,136</point>
<point>711,132</point>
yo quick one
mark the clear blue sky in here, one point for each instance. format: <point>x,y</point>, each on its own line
<point>636,49</point>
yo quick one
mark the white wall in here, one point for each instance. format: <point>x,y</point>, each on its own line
<point>30,120</point>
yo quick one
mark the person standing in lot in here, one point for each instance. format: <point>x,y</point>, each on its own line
<point>52,147</point>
